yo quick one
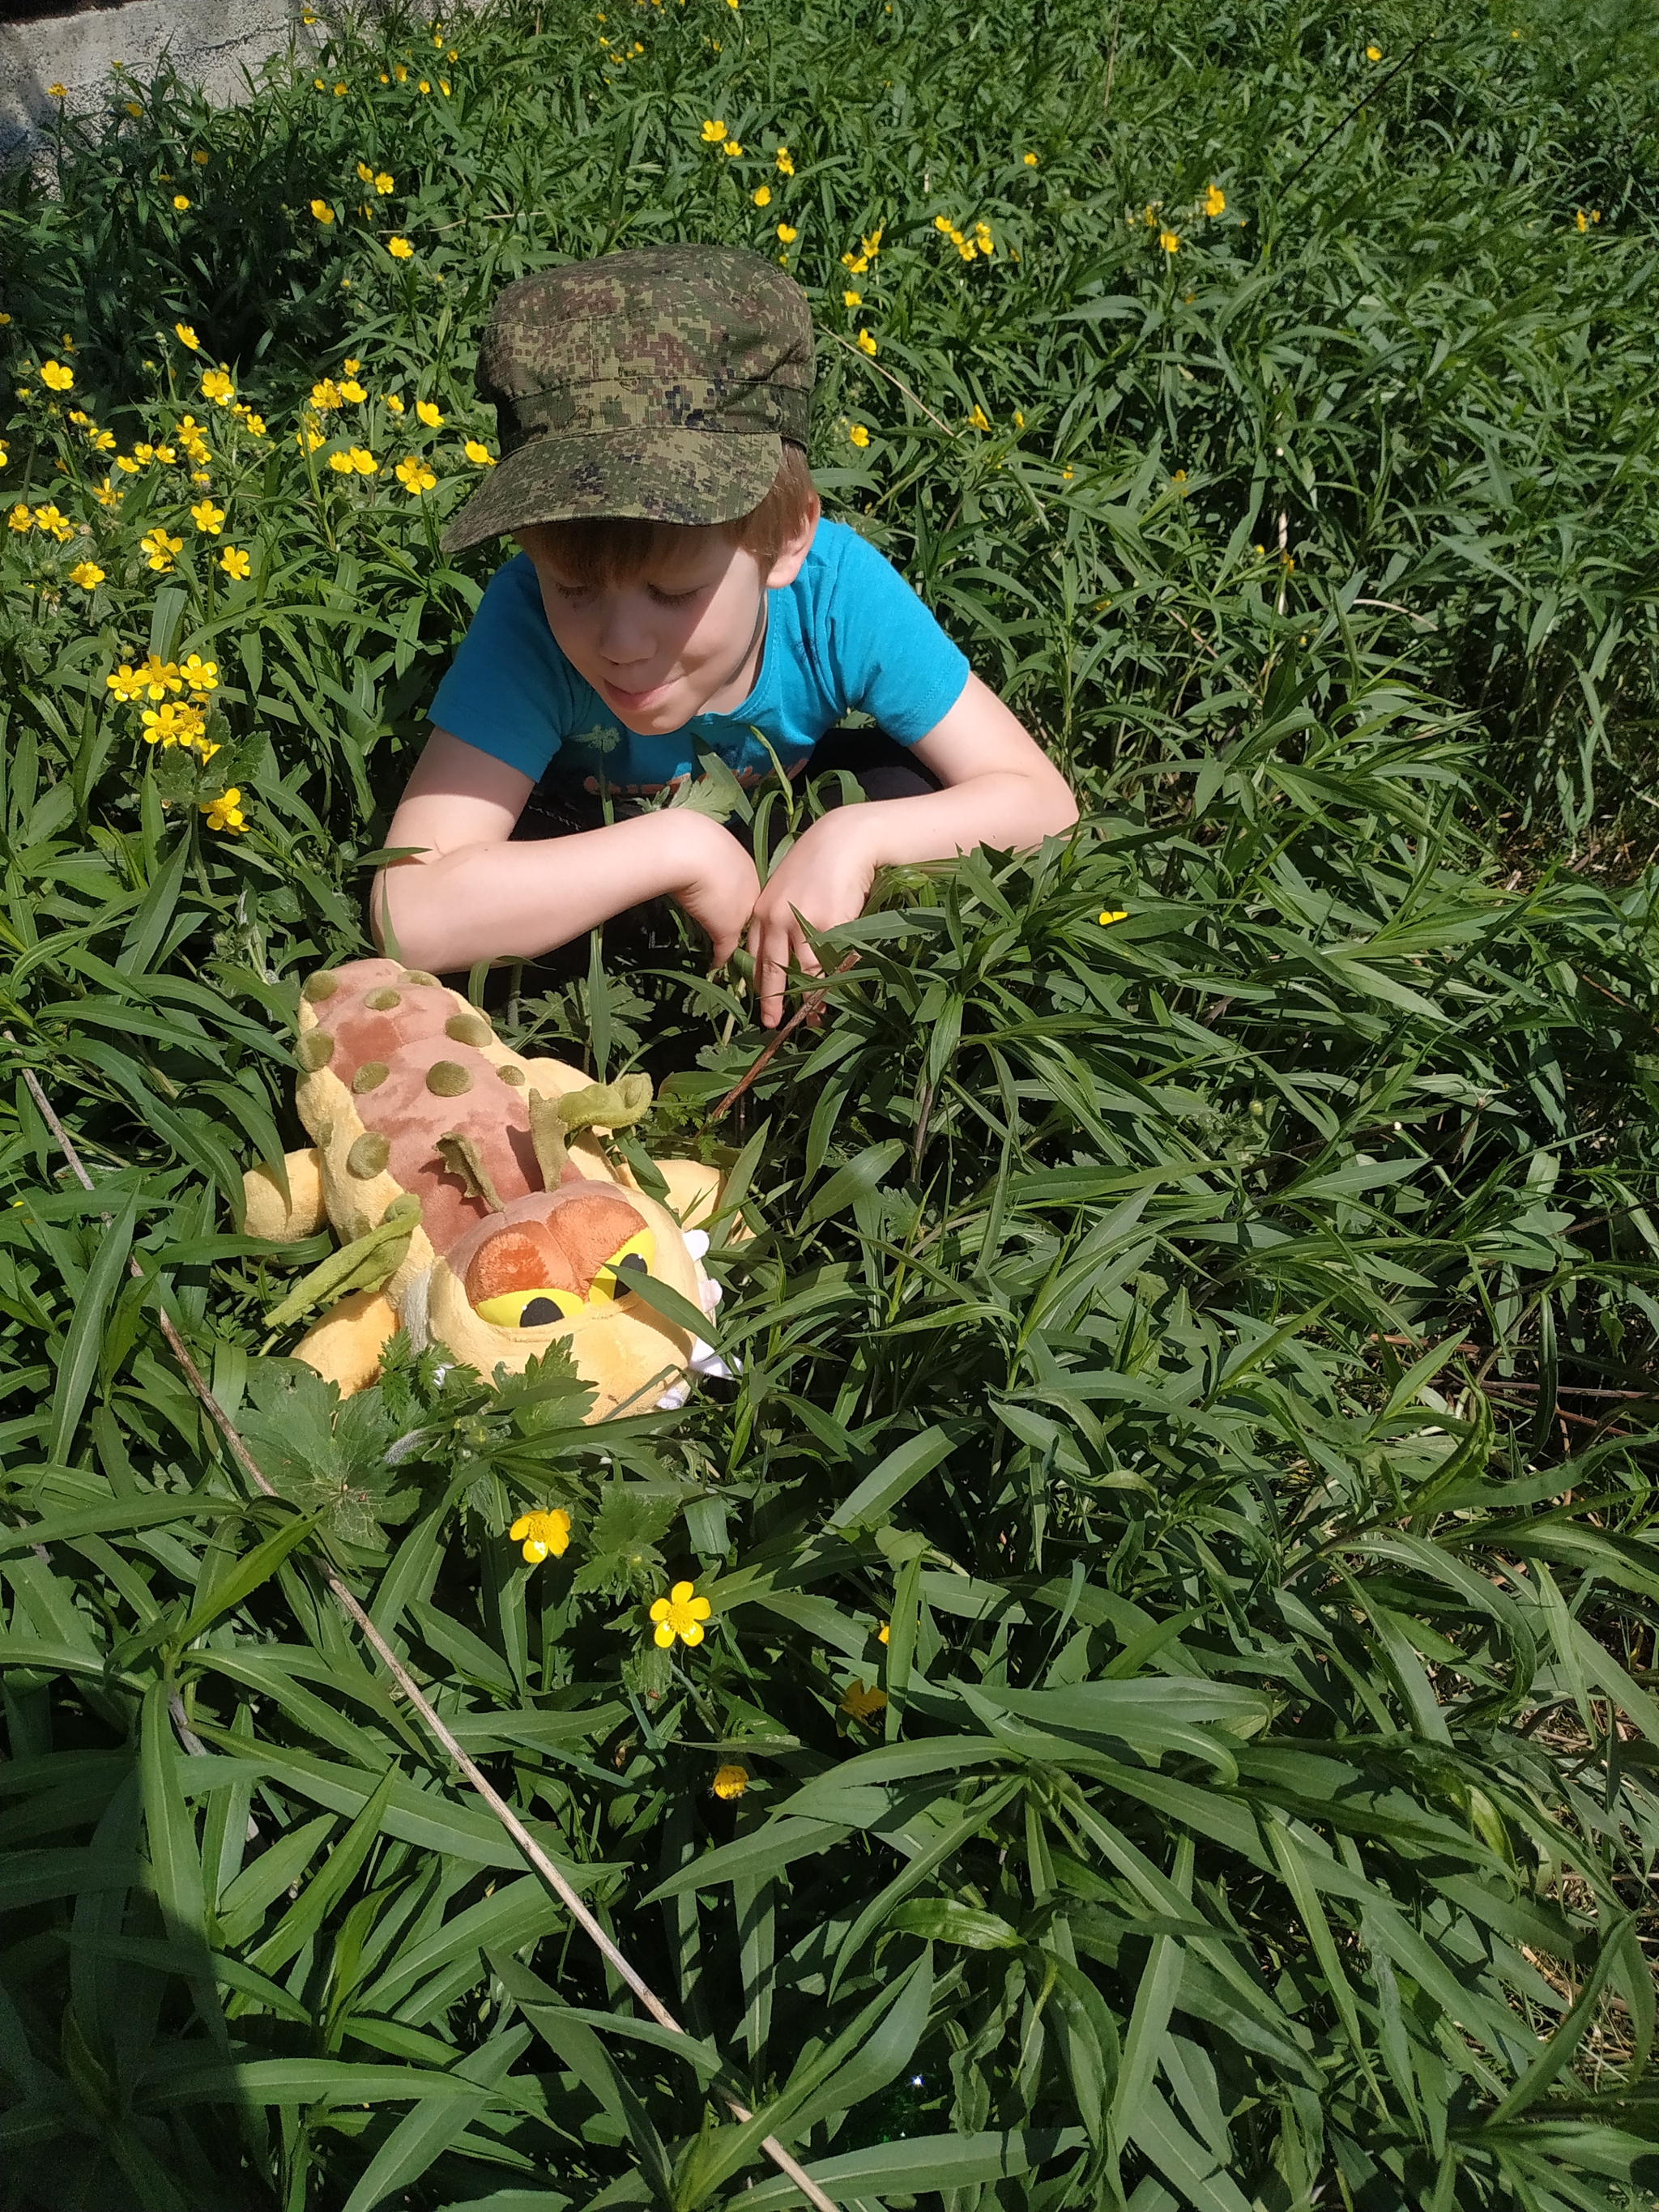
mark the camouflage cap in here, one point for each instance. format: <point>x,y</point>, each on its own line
<point>659,383</point>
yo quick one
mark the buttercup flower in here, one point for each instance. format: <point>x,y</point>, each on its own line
<point>866,343</point>
<point>383,184</point>
<point>480,456</point>
<point>234,563</point>
<point>357,460</point>
<point>681,1614</point>
<point>786,167</point>
<point>172,725</point>
<point>1373,53</point>
<point>733,1780</point>
<point>413,475</point>
<point>1029,160</point>
<point>199,675</point>
<point>393,404</point>
<point>1110,915</point>
<point>983,239</point>
<point>224,812</point>
<point>1579,219</point>
<point>1215,201</point>
<point>133,108</point>
<point>400,249</point>
<point>541,1533</point>
<point>979,419</point>
<point>56,92</point>
<point>1019,420</point>
<point>186,336</point>
<point>200,159</point>
<point>325,395</point>
<point>883,1634</point>
<point>860,1703</point>
<point>429,414</point>
<point>87,574</point>
<point>788,233</point>
<point>859,435</point>
<point>365,174</point>
<point>353,391</point>
<point>209,518</point>
<point>761,196</point>
<point>1169,241</point>
<point>160,549</point>
<point>103,441</point>
<point>20,520</point>
<point>713,133</point>
<point>181,199</point>
<point>56,377</point>
<point>217,386</point>
<point>322,210</point>
<point>54,524</point>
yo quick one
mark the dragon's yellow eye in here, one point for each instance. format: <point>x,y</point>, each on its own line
<point>634,1258</point>
<point>536,1309</point>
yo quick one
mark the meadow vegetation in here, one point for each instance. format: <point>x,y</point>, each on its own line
<point>1177,1720</point>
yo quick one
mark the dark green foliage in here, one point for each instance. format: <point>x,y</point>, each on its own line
<point>1213,1343</point>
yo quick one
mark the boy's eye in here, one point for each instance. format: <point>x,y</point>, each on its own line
<point>672,598</point>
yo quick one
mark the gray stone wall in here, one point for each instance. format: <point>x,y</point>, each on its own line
<point>217,44</point>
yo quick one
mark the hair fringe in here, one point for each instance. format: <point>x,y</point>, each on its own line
<point>599,552</point>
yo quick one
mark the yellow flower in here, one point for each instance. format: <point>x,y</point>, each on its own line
<point>357,460</point>
<point>217,386</point>
<point>234,563</point>
<point>1019,420</point>
<point>365,174</point>
<point>860,1703</point>
<point>681,1615</point>
<point>859,435</point>
<point>542,1533</point>
<point>857,262</point>
<point>181,199</point>
<point>55,525</point>
<point>1373,53</point>
<point>713,133</point>
<point>383,184</point>
<point>884,1632</point>
<point>1029,160</point>
<point>56,92</point>
<point>353,391</point>
<point>866,343</point>
<point>1215,201</point>
<point>400,249</point>
<point>160,549</point>
<point>1579,219</point>
<point>786,167</point>
<point>87,574</point>
<point>186,336</point>
<point>443,82</point>
<point>788,233</point>
<point>322,210</point>
<point>339,91</point>
<point>209,518</point>
<point>415,476</point>
<point>20,520</point>
<point>983,239</point>
<point>224,812</point>
<point>1169,241</point>
<point>198,675</point>
<point>1110,915</point>
<point>942,223</point>
<point>424,86</point>
<point>393,404</point>
<point>106,496</point>
<point>761,196</point>
<point>871,245</point>
<point>429,414</point>
<point>321,87</point>
<point>325,395</point>
<point>979,420</point>
<point>200,159</point>
<point>133,107</point>
<point>128,683</point>
<point>400,73</point>
<point>56,377</point>
<point>730,1780</point>
<point>254,424</point>
<point>172,725</point>
<point>852,298</point>
<point>731,147</point>
<point>165,455</point>
<point>308,439</point>
<point>480,456</point>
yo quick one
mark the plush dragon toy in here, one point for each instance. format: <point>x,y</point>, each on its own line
<point>479,1209</point>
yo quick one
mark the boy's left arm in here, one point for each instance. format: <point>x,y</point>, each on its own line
<point>1000,789</point>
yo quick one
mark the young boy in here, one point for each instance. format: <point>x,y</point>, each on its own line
<point>677,592</point>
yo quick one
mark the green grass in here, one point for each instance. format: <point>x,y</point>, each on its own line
<point>1213,1343</point>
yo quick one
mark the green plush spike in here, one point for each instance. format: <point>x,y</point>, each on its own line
<point>463,1158</point>
<point>607,1105</point>
<point>367,1263</point>
<point>547,1135</point>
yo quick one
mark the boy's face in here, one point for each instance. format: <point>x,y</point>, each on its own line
<point>678,640</point>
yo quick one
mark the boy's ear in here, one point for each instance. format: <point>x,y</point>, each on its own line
<point>786,566</point>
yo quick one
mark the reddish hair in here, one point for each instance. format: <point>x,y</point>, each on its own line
<point>599,552</point>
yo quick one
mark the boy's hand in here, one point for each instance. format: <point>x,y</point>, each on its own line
<point>715,879</point>
<point>824,878</point>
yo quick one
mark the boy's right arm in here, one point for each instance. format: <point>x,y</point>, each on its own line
<point>473,895</point>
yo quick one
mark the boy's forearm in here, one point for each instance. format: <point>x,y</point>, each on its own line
<point>1007,811</point>
<point>514,902</point>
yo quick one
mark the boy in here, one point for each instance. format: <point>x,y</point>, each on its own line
<point>678,592</point>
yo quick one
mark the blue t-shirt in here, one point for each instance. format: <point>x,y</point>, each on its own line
<point>849,633</point>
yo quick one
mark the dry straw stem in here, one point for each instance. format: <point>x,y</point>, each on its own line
<point>534,1855</point>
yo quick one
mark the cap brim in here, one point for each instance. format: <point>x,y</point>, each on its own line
<point>694,476</point>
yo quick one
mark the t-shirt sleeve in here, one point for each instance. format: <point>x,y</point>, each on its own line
<point>507,691</point>
<point>889,657</point>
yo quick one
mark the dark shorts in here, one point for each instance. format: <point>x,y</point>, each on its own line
<point>881,768</point>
